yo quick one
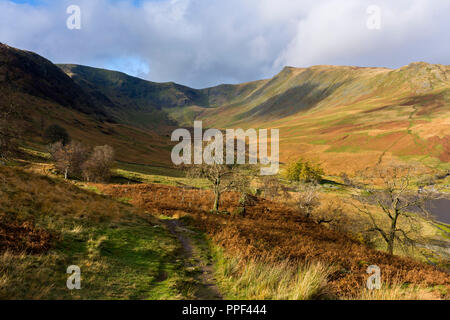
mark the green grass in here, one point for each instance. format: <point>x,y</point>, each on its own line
<point>350,149</point>
<point>319,142</point>
<point>124,261</point>
<point>122,252</point>
<point>36,153</point>
<point>135,173</point>
<point>444,230</point>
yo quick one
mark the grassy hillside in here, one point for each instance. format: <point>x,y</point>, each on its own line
<point>348,117</point>
<point>44,95</point>
<point>260,249</point>
<point>123,252</point>
<point>133,100</point>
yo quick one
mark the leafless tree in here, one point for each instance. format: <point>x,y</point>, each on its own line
<point>69,159</point>
<point>273,188</point>
<point>223,178</point>
<point>308,198</point>
<point>391,190</point>
<point>98,166</point>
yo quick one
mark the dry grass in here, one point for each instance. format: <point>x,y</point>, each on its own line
<point>279,232</point>
<point>19,272</point>
<point>397,291</point>
<point>262,279</point>
<point>47,225</point>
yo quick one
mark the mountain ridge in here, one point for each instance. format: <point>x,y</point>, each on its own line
<point>326,112</point>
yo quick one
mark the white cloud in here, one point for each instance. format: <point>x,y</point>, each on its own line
<point>206,42</point>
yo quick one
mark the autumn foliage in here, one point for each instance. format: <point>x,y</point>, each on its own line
<point>275,230</point>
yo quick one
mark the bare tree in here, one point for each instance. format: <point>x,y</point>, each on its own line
<point>98,166</point>
<point>391,190</point>
<point>222,177</point>
<point>314,207</point>
<point>69,159</point>
<point>308,198</point>
<point>273,189</point>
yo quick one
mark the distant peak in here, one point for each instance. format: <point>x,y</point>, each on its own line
<point>419,65</point>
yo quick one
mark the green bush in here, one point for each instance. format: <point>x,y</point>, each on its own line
<point>304,171</point>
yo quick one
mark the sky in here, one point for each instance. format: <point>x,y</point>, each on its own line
<point>202,43</point>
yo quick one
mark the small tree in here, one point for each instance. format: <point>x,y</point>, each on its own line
<point>400,204</point>
<point>304,171</point>
<point>273,189</point>
<point>308,199</point>
<point>56,133</point>
<point>222,178</point>
<point>98,166</point>
<point>69,159</point>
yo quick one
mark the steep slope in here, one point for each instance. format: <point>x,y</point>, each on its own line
<point>346,117</point>
<point>349,117</point>
<point>43,94</point>
<point>29,74</point>
<point>300,89</point>
<point>133,100</point>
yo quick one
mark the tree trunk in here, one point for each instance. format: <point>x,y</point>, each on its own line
<point>391,239</point>
<point>216,199</point>
<point>66,173</point>
<point>390,246</point>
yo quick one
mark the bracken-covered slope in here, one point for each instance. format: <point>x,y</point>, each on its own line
<point>348,117</point>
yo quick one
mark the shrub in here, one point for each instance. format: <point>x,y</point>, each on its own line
<point>69,158</point>
<point>304,171</point>
<point>56,133</point>
<point>98,167</point>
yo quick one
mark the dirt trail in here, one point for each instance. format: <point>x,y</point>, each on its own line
<point>208,289</point>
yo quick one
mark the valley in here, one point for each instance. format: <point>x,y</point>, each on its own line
<point>149,231</point>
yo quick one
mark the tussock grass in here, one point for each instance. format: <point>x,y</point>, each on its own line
<point>19,272</point>
<point>263,279</point>
<point>397,291</point>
